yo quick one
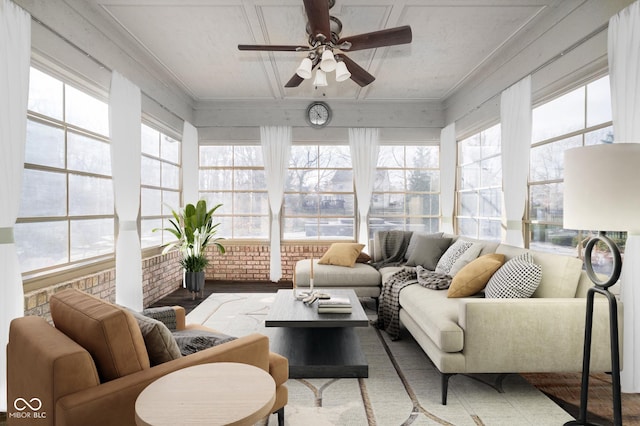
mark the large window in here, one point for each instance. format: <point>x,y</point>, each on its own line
<point>406,192</point>
<point>319,196</point>
<point>479,193</point>
<point>580,117</point>
<point>160,184</point>
<point>66,209</point>
<point>234,176</point>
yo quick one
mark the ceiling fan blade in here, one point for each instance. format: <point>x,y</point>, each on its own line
<point>273,47</point>
<point>294,81</point>
<point>388,37</point>
<point>318,16</point>
<point>358,74</point>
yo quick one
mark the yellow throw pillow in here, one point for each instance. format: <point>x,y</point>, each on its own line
<point>341,254</point>
<point>474,276</point>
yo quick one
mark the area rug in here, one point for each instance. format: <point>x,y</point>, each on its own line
<point>403,387</point>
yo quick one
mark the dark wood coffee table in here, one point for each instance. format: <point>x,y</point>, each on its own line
<point>318,345</point>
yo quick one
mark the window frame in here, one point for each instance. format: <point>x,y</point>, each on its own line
<point>528,223</point>
<point>68,129</point>
<point>496,126</point>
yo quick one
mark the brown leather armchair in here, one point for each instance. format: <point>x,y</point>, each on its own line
<point>91,367</point>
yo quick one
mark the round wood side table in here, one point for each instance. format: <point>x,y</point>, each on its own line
<point>220,393</point>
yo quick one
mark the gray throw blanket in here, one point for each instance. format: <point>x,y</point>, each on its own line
<point>194,340</point>
<point>389,302</point>
<point>393,248</point>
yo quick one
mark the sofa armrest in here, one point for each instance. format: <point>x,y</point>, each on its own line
<point>533,335</point>
<point>113,403</point>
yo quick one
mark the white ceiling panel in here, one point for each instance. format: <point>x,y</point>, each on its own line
<point>195,41</point>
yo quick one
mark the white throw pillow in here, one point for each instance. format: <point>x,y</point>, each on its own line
<point>450,256</point>
<point>518,278</point>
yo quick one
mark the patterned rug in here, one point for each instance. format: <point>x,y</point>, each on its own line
<point>403,387</point>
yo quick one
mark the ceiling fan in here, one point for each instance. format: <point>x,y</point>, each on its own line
<point>327,48</point>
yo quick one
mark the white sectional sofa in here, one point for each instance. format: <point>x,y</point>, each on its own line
<point>544,333</point>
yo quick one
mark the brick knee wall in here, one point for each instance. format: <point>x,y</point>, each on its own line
<point>250,261</point>
<point>162,274</point>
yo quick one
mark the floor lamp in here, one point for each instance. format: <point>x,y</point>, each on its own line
<point>600,193</point>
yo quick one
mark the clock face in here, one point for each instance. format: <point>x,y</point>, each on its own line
<point>318,114</point>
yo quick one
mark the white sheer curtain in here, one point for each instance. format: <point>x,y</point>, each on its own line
<point>364,146</point>
<point>15,56</point>
<point>190,186</point>
<point>624,74</point>
<point>125,116</point>
<point>276,151</point>
<point>515,116</point>
<point>447,176</point>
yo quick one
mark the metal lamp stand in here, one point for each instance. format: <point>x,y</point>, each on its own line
<point>601,287</point>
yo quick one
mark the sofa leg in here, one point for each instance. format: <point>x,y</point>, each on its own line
<point>280,414</point>
<point>445,386</point>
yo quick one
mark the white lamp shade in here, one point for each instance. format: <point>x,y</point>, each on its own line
<point>304,70</point>
<point>321,79</point>
<point>328,62</point>
<point>342,73</point>
<point>602,187</point>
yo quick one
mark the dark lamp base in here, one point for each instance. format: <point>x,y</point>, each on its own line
<point>577,422</point>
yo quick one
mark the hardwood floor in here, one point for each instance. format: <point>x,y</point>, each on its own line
<point>562,388</point>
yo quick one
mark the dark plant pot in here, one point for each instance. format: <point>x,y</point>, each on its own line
<point>194,281</point>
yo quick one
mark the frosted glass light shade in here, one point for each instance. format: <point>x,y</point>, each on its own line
<point>342,73</point>
<point>601,187</point>
<point>304,70</point>
<point>321,79</point>
<point>328,62</point>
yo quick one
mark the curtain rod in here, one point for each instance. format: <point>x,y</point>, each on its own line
<point>98,62</point>
<point>543,65</point>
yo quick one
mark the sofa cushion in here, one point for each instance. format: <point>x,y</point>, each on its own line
<point>109,333</point>
<point>475,275</point>
<point>361,275</point>
<point>341,254</point>
<point>560,273</point>
<point>518,278</point>
<point>450,256</point>
<point>435,314</point>
<point>428,251</point>
<point>160,343</point>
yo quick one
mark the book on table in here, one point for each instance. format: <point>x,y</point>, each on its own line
<point>335,302</point>
<point>336,305</point>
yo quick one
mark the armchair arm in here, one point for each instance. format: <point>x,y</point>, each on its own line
<point>533,335</point>
<point>113,403</point>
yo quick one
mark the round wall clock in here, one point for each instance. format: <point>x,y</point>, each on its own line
<point>318,114</point>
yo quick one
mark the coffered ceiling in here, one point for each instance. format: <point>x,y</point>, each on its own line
<point>195,42</point>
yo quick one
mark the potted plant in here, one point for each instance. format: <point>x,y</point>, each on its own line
<point>194,229</point>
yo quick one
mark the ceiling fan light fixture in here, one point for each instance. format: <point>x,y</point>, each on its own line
<point>328,62</point>
<point>304,70</point>
<point>321,79</point>
<point>342,73</point>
